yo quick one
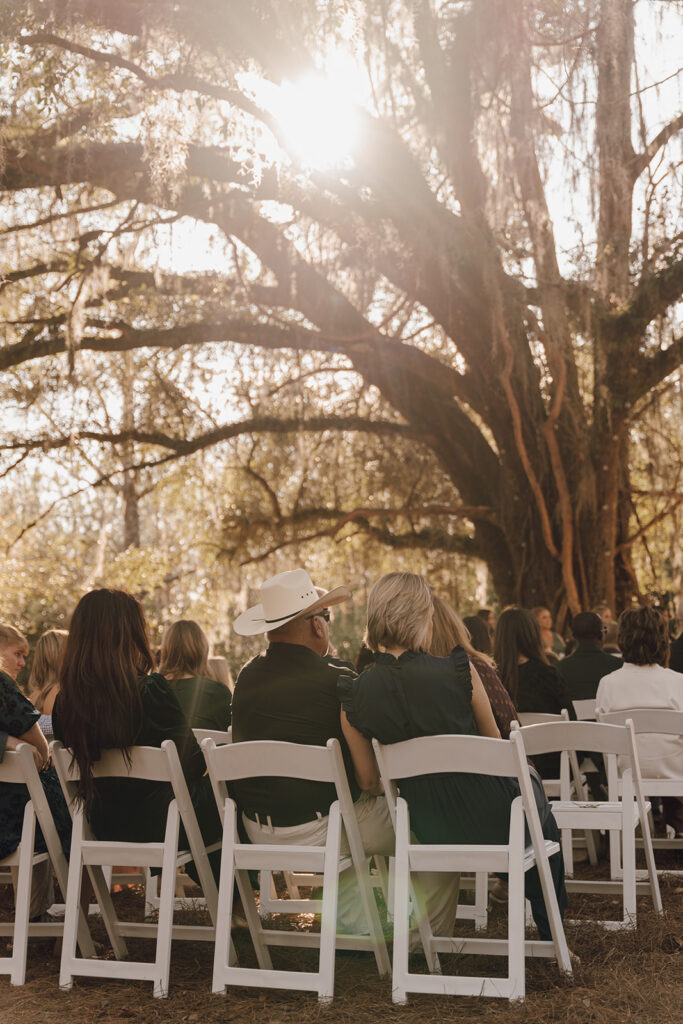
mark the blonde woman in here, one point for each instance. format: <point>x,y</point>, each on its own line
<point>43,683</point>
<point>184,662</point>
<point>409,693</point>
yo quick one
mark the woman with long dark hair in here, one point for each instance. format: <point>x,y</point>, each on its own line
<point>532,682</point>
<point>110,699</point>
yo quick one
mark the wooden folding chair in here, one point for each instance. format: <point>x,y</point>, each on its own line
<point>19,767</point>
<point>667,722</point>
<point>572,783</point>
<point>219,736</point>
<point>430,755</point>
<point>621,813</point>
<point>295,761</point>
<point>152,764</point>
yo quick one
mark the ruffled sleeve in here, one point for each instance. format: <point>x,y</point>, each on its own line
<point>17,714</point>
<point>164,720</point>
<point>346,688</point>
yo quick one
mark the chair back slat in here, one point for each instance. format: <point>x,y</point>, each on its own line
<point>662,720</point>
<point>541,717</point>
<point>449,753</point>
<point>219,736</point>
<point>146,763</point>
<point>268,758</point>
<point>586,736</point>
<point>585,709</point>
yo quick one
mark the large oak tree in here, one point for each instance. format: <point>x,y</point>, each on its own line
<point>425,272</point>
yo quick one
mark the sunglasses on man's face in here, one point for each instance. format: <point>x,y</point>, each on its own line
<point>324,614</point>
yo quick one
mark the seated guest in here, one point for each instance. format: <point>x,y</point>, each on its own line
<point>110,700</point>
<point>480,635</point>
<point>220,671</point>
<point>43,682</point>
<point>19,724</point>
<point>605,613</point>
<point>553,644</point>
<point>290,693</point>
<point>409,693</point>
<point>609,641</point>
<point>676,652</point>
<point>449,631</point>
<point>644,682</point>
<point>526,673</point>
<point>184,662</point>
<point>583,670</point>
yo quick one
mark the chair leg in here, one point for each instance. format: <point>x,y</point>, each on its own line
<point>481,900</point>
<point>72,906</point>
<point>166,903</point>
<point>23,898</point>
<point>629,866</point>
<point>401,906</point>
<point>106,905</point>
<point>516,903</point>
<point>224,913</point>
<point>328,916</point>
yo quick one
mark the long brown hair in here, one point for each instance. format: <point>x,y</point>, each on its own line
<point>47,656</point>
<point>517,632</point>
<point>106,653</point>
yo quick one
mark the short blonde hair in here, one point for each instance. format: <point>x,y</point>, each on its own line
<point>399,612</point>
<point>45,668</point>
<point>184,650</point>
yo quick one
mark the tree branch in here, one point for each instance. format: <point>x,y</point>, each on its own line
<point>641,160</point>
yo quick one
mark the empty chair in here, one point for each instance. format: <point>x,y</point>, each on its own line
<point>649,722</point>
<point>435,755</point>
<point>621,813</point>
<point>273,759</point>
<point>571,782</point>
<point>18,768</point>
<point>142,763</point>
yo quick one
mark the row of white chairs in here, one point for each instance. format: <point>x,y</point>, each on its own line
<point>227,762</point>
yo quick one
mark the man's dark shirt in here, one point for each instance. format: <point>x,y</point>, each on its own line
<point>676,655</point>
<point>289,693</point>
<point>583,670</point>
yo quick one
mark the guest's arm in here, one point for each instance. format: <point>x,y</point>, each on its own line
<point>481,706</point>
<point>38,743</point>
<point>363,757</point>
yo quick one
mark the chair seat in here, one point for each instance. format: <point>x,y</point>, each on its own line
<point>451,857</point>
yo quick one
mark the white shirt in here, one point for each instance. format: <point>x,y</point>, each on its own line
<point>647,686</point>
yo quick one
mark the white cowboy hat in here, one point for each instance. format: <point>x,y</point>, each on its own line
<point>284,597</point>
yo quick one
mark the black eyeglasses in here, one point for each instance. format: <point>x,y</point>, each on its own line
<point>324,614</point>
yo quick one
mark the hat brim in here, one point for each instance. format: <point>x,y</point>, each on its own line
<point>252,622</point>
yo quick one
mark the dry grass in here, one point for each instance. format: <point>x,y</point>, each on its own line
<point>635,976</point>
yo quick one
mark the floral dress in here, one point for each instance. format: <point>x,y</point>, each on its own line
<point>17,716</point>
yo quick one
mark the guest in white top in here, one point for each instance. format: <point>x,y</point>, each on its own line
<point>644,681</point>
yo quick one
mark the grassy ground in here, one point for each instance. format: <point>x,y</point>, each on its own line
<point>623,976</point>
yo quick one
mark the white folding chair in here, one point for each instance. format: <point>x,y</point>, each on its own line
<point>666,722</point>
<point>19,768</point>
<point>621,813</point>
<point>219,736</point>
<point>430,755</point>
<point>295,761</point>
<point>151,764</point>
<point>572,783</point>
<point>584,709</point>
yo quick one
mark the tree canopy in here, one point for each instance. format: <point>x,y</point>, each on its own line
<point>435,303</point>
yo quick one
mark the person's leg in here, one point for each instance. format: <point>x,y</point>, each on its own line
<point>42,888</point>
<point>673,813</point>
<point>439,891</point>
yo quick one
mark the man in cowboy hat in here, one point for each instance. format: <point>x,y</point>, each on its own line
<point>290,693</point>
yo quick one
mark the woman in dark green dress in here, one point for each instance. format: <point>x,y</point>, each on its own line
<point>109,700</point>
<point>185,664</point>
<point>408,693</point>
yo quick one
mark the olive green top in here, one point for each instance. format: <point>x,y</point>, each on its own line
<point>206,704</point>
